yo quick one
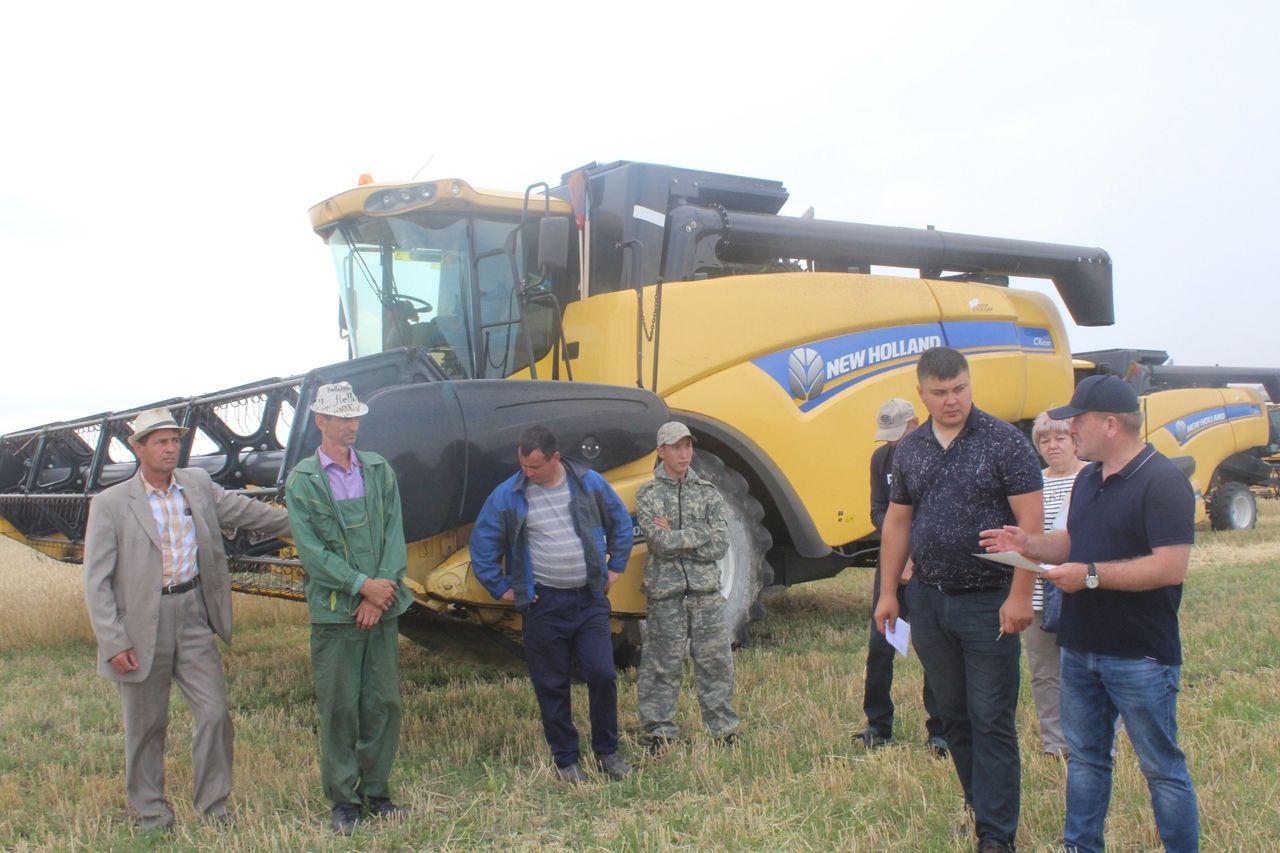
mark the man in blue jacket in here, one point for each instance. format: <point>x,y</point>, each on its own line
<point>564,537</point>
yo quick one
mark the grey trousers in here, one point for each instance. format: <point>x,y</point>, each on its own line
<point>697,619</point>
<point>1042,661</point>
<point>186,653</point>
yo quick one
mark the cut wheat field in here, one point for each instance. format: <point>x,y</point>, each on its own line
<point>475,773</point>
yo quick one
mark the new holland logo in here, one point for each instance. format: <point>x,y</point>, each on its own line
<point>806,372</point>
<point>1180,431</point>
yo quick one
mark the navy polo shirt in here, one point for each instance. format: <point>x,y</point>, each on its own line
<point>1143,506</point>
<point>958,492</point>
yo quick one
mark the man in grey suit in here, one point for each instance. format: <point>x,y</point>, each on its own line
<point>158,591</point>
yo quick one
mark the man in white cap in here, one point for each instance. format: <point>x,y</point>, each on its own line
<point>897,417</point>
<point>345,507</point>
<point>682,516</point>
<point>158,592</point>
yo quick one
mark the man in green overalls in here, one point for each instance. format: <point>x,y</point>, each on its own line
<point>344,506</point>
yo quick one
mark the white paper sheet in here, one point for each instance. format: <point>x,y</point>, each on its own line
<point>899,635</point>
<point>1013,558</point>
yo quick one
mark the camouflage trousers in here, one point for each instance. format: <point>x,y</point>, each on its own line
<point>698,619</point>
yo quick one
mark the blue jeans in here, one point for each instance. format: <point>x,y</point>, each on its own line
<point>974,678</point>
<point>1095,688</point>
<point>560,626</point>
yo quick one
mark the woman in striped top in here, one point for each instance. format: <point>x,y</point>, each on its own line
<point>1058,448</point>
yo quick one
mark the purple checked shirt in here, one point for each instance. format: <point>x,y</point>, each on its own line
<point>345,485</point>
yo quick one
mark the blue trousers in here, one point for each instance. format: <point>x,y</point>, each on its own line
<point>560,626</point>
<point>1095,688</point>
<point>974,677</point>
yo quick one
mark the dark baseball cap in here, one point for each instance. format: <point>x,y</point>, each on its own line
<point>1098,394</point>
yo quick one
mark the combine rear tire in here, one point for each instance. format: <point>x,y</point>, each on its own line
<point>744,572</point>
<point>1233,507</point>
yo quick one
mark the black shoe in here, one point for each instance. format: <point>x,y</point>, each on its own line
<point>872,739</point>
<point>572,774</point>
<point>383,808</point>
<point>727,740</point>
<point>157,823</point>
<point>658,746</point>
<point>345,818</point>
<point>614,766</point>
<point>992,845</point>
<point>939,746</point>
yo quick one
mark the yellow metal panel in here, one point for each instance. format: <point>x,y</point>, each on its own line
<point>350,204</point>
<point>1207,424</point>
<point>724,345</point>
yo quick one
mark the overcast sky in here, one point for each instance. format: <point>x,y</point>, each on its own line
<point>158,163</point>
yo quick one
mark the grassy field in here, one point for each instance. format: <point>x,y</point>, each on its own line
<point>475,771</point>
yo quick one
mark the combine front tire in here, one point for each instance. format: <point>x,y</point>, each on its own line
<point>1233,507</point>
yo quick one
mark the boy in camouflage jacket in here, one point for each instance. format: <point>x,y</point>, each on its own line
<point>682,516</point>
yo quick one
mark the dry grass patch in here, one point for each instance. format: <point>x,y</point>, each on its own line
<point>475,772</point>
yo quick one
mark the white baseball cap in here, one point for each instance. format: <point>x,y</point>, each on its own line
<point>891,423</point>
<point>671,432</point>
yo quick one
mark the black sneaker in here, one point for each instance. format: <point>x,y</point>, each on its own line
<point>345,818</point>
<point>727,740</point>
<point>992,845</point>
<point>939,746</point>
<point>383,809</point>
<point>872,739</point>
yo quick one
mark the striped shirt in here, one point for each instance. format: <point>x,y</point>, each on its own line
<point>1057,496</point>
<point>555,549</point>
<point>177,532</point>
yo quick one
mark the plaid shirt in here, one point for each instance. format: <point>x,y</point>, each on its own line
<point>177,532</point>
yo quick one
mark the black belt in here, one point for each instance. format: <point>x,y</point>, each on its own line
<point>967,590</point>
<point>175,588</point>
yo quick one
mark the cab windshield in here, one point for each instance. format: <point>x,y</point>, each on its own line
<point>441,281</point>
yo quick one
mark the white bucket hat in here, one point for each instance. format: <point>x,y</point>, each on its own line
<point>339,401</point>
<point>152,420</point>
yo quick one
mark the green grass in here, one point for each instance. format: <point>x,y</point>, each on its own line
<point>474,769</point>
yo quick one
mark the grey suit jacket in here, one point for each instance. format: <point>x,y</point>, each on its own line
<point>122,563</point>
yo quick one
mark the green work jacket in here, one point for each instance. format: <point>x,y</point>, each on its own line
<point>335,562</point>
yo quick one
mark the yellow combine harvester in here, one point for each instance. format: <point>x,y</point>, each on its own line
<point>626,294</point>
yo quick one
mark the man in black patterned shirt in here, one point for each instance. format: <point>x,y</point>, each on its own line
<point>960,469</point>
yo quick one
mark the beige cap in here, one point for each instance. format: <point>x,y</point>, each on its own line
<point>671,432</point>
<point>891,423</point>
<point>339,401</point>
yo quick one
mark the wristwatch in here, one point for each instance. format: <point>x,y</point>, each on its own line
<point>1091,579</point>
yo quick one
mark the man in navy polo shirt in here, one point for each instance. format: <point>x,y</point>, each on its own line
<point>962,472</point>
<point>1123,558</point>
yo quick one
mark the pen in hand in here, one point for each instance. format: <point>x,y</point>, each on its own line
<point>1001,634</point>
